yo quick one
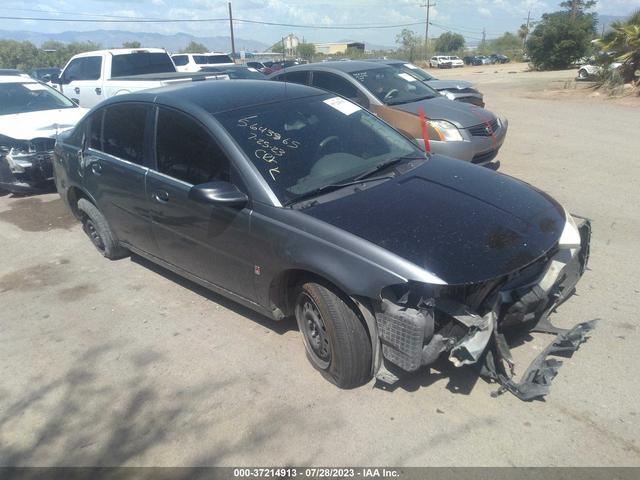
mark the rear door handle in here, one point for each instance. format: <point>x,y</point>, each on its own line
<point>77,90</point>
<point>161,196</point>
<point>98,91</point>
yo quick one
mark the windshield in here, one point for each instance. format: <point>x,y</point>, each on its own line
<point>30,97</point>
<point>305,144</point>
<point>140,63</point>
<point>393,87</point>
<point>411,69</point>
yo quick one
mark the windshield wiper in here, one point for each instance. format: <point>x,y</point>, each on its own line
<point>330,188</point>
<point>383,166</point>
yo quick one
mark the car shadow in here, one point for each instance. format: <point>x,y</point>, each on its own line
<point>279,327</point>
<point>459,380</point>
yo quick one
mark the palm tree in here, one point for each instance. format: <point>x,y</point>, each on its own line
<point>624,42</point>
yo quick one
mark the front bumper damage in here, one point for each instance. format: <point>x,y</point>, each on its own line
<point>417,327</point>
<point>26,167</point>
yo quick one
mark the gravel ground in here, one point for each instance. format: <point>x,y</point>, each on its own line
<point>110,363</point>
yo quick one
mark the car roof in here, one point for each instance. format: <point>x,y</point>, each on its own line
<point>346,67</point>
<point>21,78</point>
<point>215,96</point>
<point>121,51</point>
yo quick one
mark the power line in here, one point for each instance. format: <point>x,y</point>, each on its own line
<point>205,20</point>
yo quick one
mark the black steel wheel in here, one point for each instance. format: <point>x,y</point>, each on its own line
<point>334,335</point>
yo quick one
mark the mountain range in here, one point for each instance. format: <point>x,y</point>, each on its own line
<point>115,38</point>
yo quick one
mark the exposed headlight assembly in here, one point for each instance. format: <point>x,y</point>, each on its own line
<point>20,158</point>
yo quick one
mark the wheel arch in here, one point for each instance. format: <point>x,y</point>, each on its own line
<point>74,194</point>
<point>282,302</point>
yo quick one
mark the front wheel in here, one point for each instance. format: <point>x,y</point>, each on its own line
<point>334,336</point>
<point>582,74</point>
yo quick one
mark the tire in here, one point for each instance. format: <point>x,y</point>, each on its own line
<point>341,348</point>
<point>97,229</point>
<point>582,74</point>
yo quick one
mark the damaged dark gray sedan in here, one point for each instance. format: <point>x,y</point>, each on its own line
<point>295,202</point>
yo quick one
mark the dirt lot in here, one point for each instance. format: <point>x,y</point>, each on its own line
<point>108,363</point>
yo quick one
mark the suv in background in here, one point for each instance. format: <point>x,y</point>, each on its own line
<point>193,62</point>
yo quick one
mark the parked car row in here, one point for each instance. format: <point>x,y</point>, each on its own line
<point>296,201</point>
<point>486,59</point>
<point>445,61</point>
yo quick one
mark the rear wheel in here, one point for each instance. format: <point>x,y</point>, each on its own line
<point>335,338</point>
<point>97,229</point>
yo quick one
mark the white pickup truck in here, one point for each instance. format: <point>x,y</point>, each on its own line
<point>90,77</point>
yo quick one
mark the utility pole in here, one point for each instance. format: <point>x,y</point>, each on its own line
<point>233,42</point>
<point>428,6</point>
<point>484,37</point>
<point>526,33</point>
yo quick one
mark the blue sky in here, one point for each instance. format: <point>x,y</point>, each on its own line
<point>468,17</point>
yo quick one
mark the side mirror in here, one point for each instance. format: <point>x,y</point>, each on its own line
<point>218,193</point>
<point>54,78</point>
<point>46,78</point>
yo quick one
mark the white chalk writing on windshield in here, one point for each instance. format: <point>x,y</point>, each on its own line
<point>270,144</point>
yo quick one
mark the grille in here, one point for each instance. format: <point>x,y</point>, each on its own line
<point>481,130</point>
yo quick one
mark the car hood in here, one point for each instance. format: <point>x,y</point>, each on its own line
<point>449,84</point>
<point>463,223</point>
<point>40,124</point>
<point>463,115</point>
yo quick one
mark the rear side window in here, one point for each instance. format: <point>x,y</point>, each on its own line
<point>213,59</point>
<point>123,131</point>
<point>140,63</point>
<point>294,77</point>
<point>186,151</point>
<point>200,59</point>
<point>180,60</point>
<point>333,83</point>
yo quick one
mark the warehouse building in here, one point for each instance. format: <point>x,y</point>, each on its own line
<point>337,47</point>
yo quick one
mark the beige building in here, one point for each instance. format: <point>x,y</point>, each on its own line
<point>337,47</point>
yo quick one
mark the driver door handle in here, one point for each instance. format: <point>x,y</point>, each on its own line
<point>77,90</point>
<point>161,196</point>
<point>96,168</point>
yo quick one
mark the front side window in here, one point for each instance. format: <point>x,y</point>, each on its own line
<point>186,151</point>
<point>123,131</point>
<point>305,144</point>
<point>393,87</point>
<point>84,68</point>
<point>30,97</point>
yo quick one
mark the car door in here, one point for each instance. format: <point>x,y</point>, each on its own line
<point>209,241</point>
<point>114,165</point>
<point>80,81</point>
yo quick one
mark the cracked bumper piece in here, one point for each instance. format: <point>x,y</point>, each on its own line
<point>25,167</point>
<point>536,380</point>
<point>416,328</point>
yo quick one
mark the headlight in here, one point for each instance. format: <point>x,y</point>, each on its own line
<point>20,158</point>
<point>446,131</point>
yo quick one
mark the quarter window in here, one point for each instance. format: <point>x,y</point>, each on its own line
<point>123,131</point>
<point>186,151</point>
<point>295,77</point>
